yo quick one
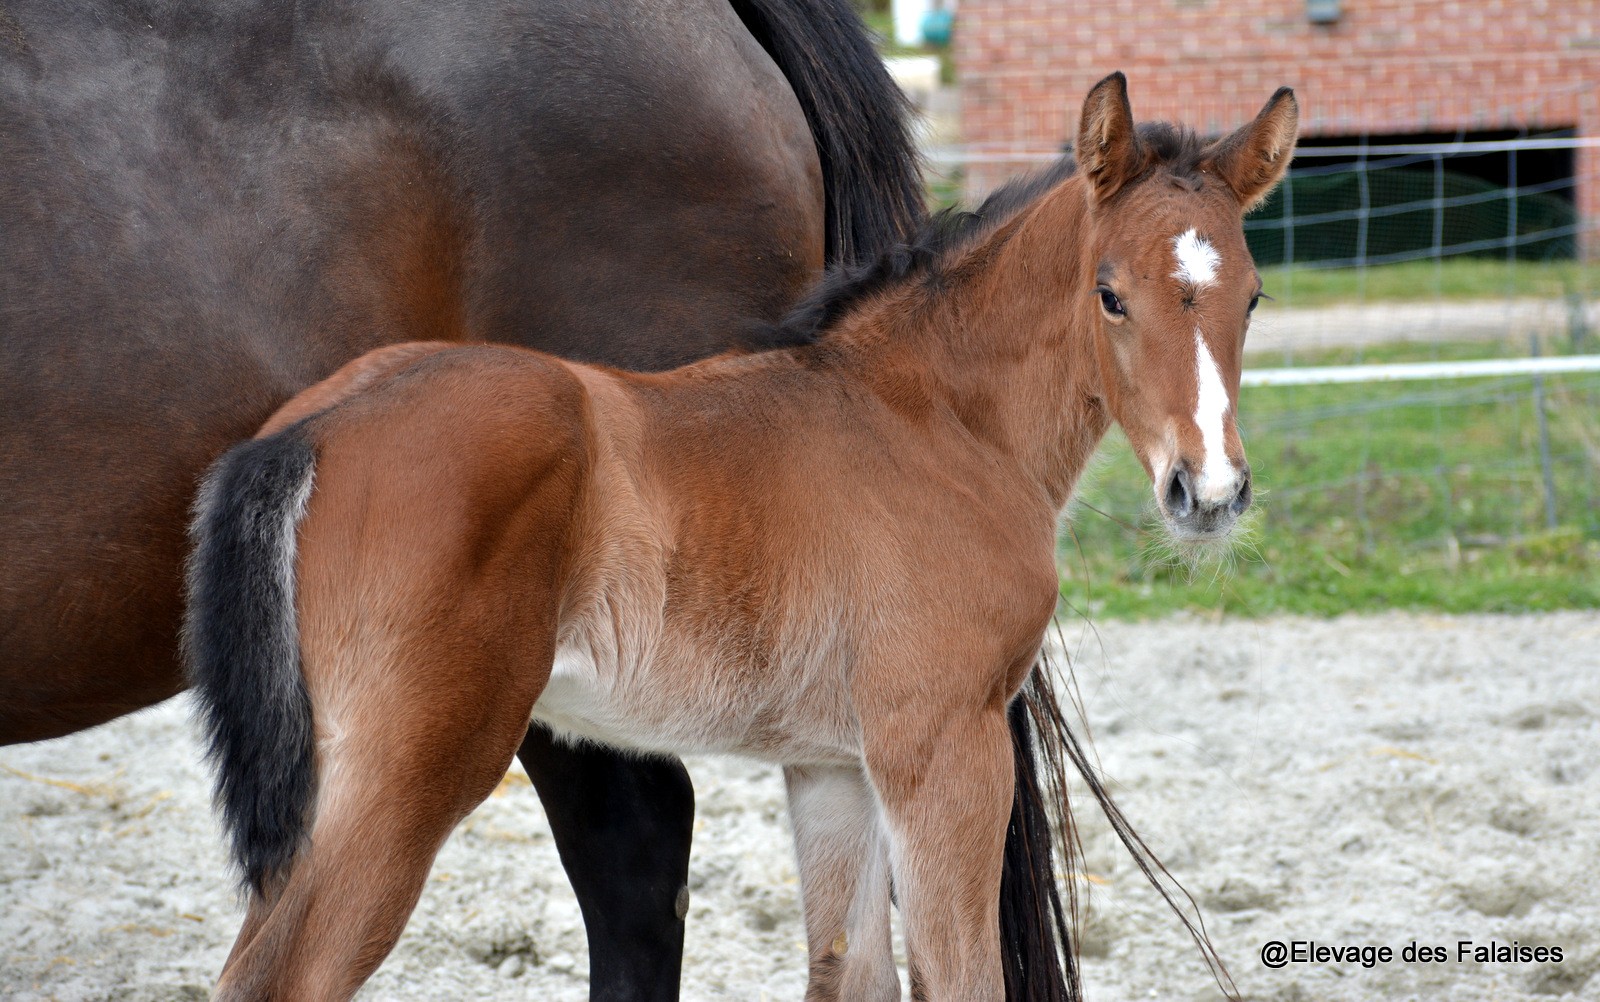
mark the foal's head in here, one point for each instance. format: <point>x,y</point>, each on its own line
<point>1171,287</point>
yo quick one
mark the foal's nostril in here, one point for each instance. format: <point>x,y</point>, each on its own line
<point>1241,500</point>
<point>1179,495</point>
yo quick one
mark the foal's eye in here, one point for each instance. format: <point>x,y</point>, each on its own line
<point>1254,302</point>
<point>1110,303</point>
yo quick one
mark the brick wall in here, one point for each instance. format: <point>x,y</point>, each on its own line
<point>1386,66</point>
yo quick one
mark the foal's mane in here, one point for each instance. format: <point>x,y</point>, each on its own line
<point>942,238</point>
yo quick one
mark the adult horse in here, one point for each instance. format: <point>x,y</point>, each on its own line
<point>206,207</point>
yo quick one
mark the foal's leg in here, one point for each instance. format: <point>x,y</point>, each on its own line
<point>946,796</point>
<point>844,884</point>
<point>413,749</point>
<point>622,825</point>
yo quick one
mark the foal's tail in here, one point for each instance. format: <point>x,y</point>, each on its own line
<point>1038,930</point>
<point>243,648</point>
<point>859,121</point>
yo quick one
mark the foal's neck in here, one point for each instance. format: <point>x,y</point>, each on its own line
<point>1004,340</point>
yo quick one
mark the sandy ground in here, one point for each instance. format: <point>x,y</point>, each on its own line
<point>1365,781</point>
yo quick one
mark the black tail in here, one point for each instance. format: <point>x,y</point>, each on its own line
<point>858,117</point>
<point>243,648</point>
<point>1035,909</point>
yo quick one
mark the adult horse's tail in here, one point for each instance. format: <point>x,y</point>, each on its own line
<point>243,649</point>
<point>1036,930</point>
<point>1034,922</point>
<point>858,117</point>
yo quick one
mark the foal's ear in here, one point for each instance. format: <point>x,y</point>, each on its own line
<point>1107,150</point>
<point>1253,159</point>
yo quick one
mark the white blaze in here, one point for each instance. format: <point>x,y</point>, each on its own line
<point>1197,259</point>
<point>1217,477</point>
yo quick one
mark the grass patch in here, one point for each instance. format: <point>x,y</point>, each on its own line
<point>1460,278</point>
<point>1373,496</point>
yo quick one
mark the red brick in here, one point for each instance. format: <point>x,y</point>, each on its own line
<point>1386,66</point>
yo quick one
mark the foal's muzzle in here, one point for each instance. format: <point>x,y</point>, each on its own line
<point>1195,514</point>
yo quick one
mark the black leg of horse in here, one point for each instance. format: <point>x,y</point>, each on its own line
<point>622,825</point>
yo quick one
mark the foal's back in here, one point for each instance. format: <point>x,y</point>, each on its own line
<point>707,553</point>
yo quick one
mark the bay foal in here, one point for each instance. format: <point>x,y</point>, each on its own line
<point>836,555</point>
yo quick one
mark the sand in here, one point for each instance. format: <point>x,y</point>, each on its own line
<point>1374,781</point>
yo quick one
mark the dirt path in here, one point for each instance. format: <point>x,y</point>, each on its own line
<point>1280,331</point>
<point>1365,781</point>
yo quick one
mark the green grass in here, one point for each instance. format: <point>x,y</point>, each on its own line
<point>1374,496</point>
<point>1461,278</point>
<point>1434,351</point>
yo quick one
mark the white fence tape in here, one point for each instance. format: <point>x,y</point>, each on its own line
<point>1310,375</point>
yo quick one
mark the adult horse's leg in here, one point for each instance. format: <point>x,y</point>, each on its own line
<point>623,825</point>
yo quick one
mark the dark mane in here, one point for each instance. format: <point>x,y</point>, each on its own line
<point>943,236</point>
<point>1178,148</point>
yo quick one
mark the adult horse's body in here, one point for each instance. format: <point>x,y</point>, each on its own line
<point>206,207</point>
<point>837,555</point>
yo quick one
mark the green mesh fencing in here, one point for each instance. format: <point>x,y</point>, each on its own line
<point>1322,215</point>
